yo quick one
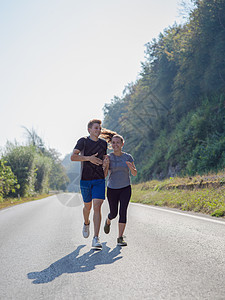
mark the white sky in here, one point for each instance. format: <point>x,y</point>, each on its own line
<point>62,60</point>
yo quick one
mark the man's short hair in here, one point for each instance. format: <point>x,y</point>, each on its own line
<point>92,122</point>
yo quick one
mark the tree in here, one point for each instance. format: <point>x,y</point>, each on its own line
<point>176,106</point>
<point>8,181</point>
<point>35,140</point>
<point>58,179</point>
<point>43,165</point>
<point>21,160</point>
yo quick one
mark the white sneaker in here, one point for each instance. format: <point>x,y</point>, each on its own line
<point>86,230</point>
<point>96,243</point>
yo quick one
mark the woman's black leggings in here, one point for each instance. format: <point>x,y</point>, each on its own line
<point>116,196</point>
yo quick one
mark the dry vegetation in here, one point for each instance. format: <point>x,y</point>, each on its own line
<point>15,201</point>
<point>205,194</point>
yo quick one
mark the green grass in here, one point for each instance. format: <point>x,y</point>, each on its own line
<point>187,194</point>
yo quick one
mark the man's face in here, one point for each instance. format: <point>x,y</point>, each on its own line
<point>95,130</point>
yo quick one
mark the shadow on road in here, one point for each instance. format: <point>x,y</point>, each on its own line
<point>71,263</point>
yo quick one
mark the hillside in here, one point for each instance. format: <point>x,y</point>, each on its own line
<point>173,116</point>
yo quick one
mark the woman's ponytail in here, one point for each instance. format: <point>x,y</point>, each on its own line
<point>109,134</point>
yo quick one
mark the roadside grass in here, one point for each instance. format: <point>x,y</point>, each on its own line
<point>181,193</point>
<point>14,201</point>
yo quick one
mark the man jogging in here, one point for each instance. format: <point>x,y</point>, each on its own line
<point>91,151</point>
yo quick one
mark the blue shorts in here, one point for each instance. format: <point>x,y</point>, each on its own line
<point>92,189</point>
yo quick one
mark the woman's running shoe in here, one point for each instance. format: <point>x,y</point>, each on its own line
<point>121,242</point>
<point>107,227</point>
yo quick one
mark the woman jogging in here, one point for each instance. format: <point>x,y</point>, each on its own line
<point>119,165</point>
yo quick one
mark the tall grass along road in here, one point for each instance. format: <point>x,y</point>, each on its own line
<point>170,254</point>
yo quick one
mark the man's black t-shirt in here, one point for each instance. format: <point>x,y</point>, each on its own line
<point>89,147</point>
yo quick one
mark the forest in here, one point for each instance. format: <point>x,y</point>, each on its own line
<point>173,117</point>
<point>31,169</point>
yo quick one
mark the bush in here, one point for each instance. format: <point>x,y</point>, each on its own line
<point>208,156</point>
<point>219,212</point>
<point>21,159</point>
<point>43,167</point>
<point>8,181</point>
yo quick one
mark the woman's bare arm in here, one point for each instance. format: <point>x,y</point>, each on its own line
<point>132,167</point>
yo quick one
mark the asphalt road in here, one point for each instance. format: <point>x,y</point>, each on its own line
<point>170,254</point>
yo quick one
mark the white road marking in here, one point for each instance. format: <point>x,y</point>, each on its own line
<point>70,198</point>
<point>180,213</point>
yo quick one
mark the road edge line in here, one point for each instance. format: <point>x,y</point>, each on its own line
<point>181,213</point>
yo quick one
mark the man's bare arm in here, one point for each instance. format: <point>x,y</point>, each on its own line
<point>93,159</point>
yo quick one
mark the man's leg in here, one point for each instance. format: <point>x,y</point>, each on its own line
<point>97,217</point>
<point>86,212</point>
<point>86,194</point>
<point>98,195</point>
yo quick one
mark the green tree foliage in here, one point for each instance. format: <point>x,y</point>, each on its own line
<point>37,168</point>
<point>8,181</point>
<point>173,116</point>
<point>58,179</point>
<point>50,173</point>
<point>43,165</point>
<point>21,159</point>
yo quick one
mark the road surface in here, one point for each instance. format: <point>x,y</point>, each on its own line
<point>170,254</point>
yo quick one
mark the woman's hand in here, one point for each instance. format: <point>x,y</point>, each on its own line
<point>105,161</point>
<point>129,164</point>
<point>132,168</point>
<point>105,165</point>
